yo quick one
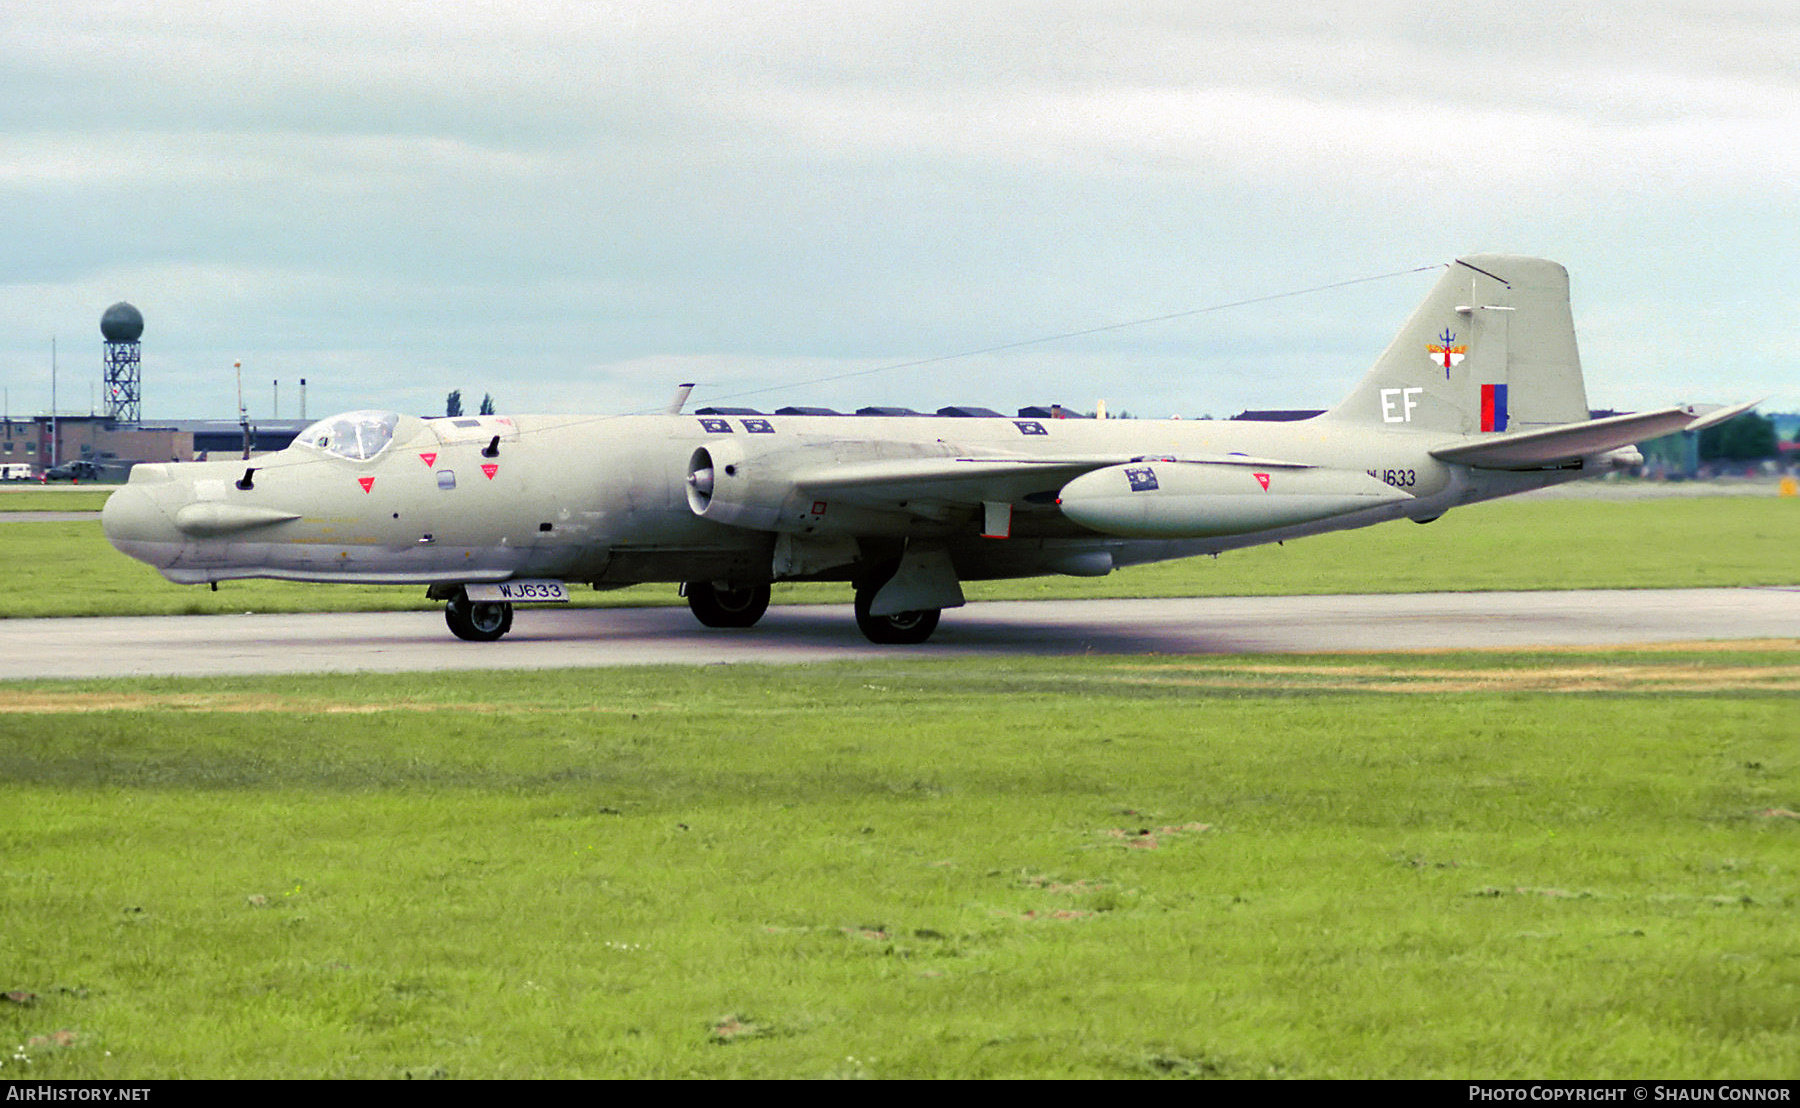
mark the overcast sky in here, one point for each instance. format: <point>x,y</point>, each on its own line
<point>575,206</point>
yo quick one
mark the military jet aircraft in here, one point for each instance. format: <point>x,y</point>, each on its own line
<point>1481,395</point>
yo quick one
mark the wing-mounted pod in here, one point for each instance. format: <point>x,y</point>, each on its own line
<point>1182,500</point>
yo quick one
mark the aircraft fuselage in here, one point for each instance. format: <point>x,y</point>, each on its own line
<point>606,501</point>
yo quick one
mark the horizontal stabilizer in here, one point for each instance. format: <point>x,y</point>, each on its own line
<point>1572,441</point>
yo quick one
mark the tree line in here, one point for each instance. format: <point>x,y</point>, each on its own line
<point>453,405</point>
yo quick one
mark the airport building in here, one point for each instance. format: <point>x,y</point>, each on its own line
<point>103,441</point>
<point>111,443</point>
<point>113,447</point>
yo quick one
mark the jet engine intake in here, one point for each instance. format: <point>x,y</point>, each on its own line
<point>720,488</point>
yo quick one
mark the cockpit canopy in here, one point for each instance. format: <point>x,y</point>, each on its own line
<point>355,435</point>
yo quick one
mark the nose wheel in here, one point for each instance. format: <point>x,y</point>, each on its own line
<point>477,622</point>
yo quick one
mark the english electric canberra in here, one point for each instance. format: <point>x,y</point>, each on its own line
<point>1480,396</point>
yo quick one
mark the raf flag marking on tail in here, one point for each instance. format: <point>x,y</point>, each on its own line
<point>1493,408</point>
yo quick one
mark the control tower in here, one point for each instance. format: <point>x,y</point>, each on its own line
<point>122,326</point>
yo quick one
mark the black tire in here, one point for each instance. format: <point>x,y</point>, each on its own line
<point>716,607</point>
<point>899,629</point>
<point>474,622</point>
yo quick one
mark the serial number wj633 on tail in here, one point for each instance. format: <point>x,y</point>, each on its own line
<point>1479,396</point>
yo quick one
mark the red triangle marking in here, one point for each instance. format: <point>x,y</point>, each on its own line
<point>428,459</point>
<point>1262,479</point>
<point>490,470</point>
<point>366,482</point>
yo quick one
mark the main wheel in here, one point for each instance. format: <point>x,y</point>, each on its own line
<point>899,629</point>
<point>717,607</point>
<point>477,622</point>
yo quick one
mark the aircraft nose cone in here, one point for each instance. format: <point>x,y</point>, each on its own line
<point>137,527</point>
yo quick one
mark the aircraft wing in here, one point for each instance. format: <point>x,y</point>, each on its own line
<point>978,479</point>
<point>1553,445</point>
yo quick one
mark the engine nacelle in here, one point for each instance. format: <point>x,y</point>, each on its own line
<point>1193,500</point>
<point>721,488</point>
<point>730,485</point>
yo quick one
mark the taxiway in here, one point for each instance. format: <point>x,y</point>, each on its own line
<point>558,638</point>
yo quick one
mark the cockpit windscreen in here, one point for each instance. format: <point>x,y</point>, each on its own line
<point>355,435</point>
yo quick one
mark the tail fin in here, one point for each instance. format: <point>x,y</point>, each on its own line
<point>1492,348</point>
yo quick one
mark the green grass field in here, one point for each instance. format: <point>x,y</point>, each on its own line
<point>53,498</point>
<point>1554,864</point>
<point>1493,865</point>
<point>58,569</point>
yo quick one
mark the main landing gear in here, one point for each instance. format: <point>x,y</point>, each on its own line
<point>477,622</point>
<point>898,629</point>
<point>724,606</point>
<point>717,606</point>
